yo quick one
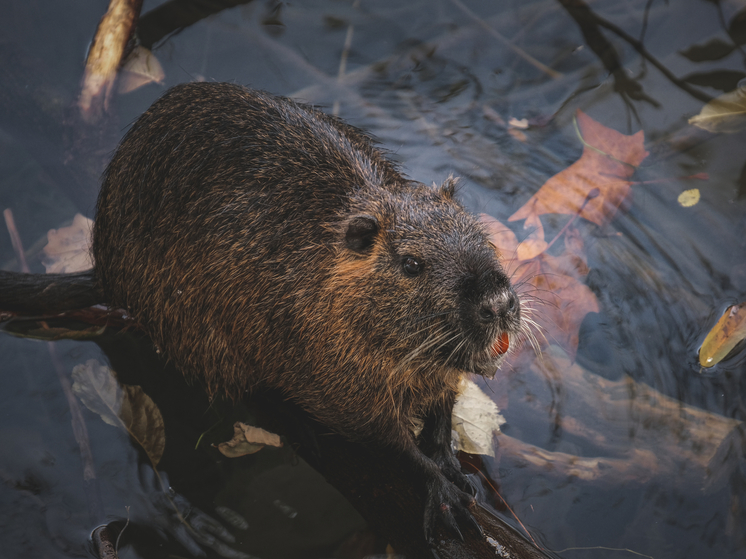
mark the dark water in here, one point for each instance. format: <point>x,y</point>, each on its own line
<point>424,77</point>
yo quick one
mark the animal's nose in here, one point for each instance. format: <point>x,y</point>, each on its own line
<point>501,306</point>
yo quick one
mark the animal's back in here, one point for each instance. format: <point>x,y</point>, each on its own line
<point>219,202</point>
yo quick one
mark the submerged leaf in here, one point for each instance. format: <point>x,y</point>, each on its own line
<point>123,406</point>
<point>552,294</point>
<point>609,159</point>
<point>476,419</point>
<point>140,68</point>
<point>99,390</point>
<point>727,113</point>
<point>534,244</point>
<point>68,248</point>
<point>720,341</point>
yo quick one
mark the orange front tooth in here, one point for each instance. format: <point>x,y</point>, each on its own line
<point>501,345</point>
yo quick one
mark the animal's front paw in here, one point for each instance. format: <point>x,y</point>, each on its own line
<point>446,503</point>
<point>451,468</point>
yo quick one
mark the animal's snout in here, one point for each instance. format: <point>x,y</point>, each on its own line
<point>499,308</point>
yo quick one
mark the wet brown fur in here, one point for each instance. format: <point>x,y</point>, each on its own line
<point>221,229</point>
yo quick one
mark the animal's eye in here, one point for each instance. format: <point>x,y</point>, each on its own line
<point>412,266</point>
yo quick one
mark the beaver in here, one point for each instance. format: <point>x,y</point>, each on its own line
<point>262,243</point>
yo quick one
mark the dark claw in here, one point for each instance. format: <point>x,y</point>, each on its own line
<point>464,483</point>
<point>450,522</point>
<point>448,505</point>
<point>474,524</point>
<point>451,468</point>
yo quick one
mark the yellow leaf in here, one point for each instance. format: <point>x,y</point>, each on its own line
<point>689,198</point>
<point>729,330</point>
<point>727,113</point>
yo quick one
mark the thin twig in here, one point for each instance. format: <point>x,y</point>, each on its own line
<point>343,58</point>
<point>15,239</point>
<point>505,41</point>
<point>640,48</point>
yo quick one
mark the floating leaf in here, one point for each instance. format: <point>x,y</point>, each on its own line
<point>123,406</point>
<point>140,68</point>
<point>68,248</point>
<point>720,341</point>
<point>689,198</point>
<point>248,439</point>
<point>476,419</point>
<point>515,123</point>
<point>727,113</point>
<point>609,159</point>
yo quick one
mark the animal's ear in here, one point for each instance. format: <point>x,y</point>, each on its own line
<point>361,232</point>
<point>448,188</point>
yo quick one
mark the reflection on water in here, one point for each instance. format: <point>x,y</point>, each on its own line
<point>629,445</point>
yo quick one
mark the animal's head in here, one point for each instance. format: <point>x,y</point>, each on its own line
<point>426,271</point>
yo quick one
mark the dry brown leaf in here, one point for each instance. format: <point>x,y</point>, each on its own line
<point>68,248</point>
<point>720,341</point>
<point>609,159</point>
<point>248,439</point>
